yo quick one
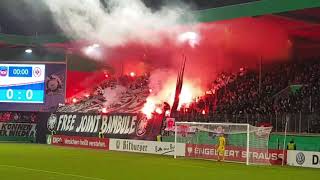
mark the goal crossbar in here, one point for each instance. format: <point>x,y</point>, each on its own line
<point>204,123</point>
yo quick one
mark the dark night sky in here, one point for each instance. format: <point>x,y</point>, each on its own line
<point>18,18</point>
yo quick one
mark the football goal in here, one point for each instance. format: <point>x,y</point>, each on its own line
<point>233,141</point>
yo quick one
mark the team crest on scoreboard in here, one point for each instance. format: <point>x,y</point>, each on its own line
<point>37,72</point>
<point>3,71</point>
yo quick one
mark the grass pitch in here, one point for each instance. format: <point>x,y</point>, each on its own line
<point>44,162</point>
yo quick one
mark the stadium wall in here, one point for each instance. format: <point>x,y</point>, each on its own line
<point>303,142</point>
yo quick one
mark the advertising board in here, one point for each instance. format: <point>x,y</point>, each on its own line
<point>232,153</point>
<point>149,147</point>
<point>81,142</point>
<point>303,159</point>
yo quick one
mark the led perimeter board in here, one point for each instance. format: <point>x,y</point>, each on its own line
<point>22,83</point>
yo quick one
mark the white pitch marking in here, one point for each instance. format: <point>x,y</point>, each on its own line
<point>50,172</point>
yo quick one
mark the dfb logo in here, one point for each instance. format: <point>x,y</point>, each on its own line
<point>52,121</point>
<point>300,158</point>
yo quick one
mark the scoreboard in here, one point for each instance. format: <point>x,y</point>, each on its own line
<point>22,83</point>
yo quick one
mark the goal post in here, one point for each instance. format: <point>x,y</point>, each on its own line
<point>248,144</point>
<point>243,143</point>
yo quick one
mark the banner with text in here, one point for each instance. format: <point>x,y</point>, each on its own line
<point>232,153</point>
<point>123,126</point>
<point>304,159</point>
<point>149,147</point>
<point>18,129</point>
<point>81,142</point>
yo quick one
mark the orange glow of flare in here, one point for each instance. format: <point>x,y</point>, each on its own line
<point>167,113</point>
<point>74,100</point>
<point>132,74</point>
<point>189,92</point>
<point>186,96</point>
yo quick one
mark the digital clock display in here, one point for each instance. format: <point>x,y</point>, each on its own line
<point>20,71</point>
<point>22,83</point>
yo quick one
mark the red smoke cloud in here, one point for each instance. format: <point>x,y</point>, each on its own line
<point>224,46</point>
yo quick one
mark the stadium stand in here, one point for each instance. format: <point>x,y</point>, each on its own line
<point>125,94</point>
<point>286,89</point>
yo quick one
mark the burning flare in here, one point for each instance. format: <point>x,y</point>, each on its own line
<point>189,92</point>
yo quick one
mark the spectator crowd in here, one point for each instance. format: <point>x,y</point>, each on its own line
<point>280,89</point>
<point>250,94</point>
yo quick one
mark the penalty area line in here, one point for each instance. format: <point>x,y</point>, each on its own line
<point>50,172</point>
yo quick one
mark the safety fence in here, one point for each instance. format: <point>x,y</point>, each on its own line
<point>296,122</point>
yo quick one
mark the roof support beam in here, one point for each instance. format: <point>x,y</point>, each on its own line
<point>255,8</point>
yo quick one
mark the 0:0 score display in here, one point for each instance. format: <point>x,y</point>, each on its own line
<point>22,83</point>
<point>21,94</point>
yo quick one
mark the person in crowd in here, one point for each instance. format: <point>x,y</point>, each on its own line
<point>291,145</point>
<point>101,135</point>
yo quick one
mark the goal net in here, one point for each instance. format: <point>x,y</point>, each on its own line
<point>243,143</point>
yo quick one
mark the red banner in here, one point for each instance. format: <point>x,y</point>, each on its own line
<point>81,142</point>
<point>237,154</point>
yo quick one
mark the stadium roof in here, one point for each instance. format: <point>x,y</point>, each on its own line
<point>253,8</point>
<point>302,23</point>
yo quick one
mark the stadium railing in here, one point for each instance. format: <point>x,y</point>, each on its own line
<point>300,123</point>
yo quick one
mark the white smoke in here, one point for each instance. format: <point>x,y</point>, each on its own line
<point>113,95</point>
<point>192,38</point>
<point>116,23</point>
